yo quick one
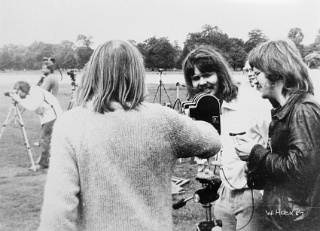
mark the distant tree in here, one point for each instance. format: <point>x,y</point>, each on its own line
<point>6,61</point>
<point>12,57</point>
<point>158,53</point>
<point>36,52</point>
<point>256,37</point>
<point>237,54</point>
<point>142,47</point>
<point>210,35</point>
<point>231,49</point>
<point>84,51</point>
<point>65,55</point>
<point>84,40</point>
<point>177,54</point>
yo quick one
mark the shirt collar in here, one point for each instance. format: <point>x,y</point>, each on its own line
<point>232,105</point>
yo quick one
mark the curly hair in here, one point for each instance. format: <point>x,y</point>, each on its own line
<point>22,86</point>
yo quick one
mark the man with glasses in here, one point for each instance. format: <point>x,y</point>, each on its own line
<point>250,75</point>
<point>242,111</point>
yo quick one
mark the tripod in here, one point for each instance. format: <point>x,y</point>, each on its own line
<point>159,89</point>
<point>73,89</point>
<point>205,196</point>
<point>18,118</point>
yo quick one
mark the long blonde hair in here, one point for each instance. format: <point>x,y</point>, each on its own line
<point>115,72</point>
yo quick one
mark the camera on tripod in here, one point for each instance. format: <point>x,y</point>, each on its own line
<point>160,70</point>
<point>72,73</point>
<point>49,59</point>
<point>7,93</point>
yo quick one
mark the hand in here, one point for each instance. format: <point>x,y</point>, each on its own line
<point>14,96</point>
<point>243,146</point>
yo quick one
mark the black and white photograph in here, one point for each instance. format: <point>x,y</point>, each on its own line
<point>160,115</point>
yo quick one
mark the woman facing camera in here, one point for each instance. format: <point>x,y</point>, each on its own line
<point>113,155</point>
<point>288,169</point>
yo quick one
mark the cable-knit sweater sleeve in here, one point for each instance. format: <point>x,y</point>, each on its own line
<point>191,137</point>
<point>60,205</point>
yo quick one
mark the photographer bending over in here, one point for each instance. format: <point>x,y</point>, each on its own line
<point>113,156</point>
<point>47,107</point>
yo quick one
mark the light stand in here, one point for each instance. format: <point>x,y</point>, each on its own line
<point>17,117</point>
<point>177,102</point>
<point>159,89</point>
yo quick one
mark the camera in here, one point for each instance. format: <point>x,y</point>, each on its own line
<point>49,59</point>
<point>72,73</point>
<point>7,93</point>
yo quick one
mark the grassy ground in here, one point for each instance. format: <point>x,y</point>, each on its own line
<point>21,190</point>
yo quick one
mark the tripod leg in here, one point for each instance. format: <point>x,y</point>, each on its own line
<point>26,142</point>
<point>166,92</point>
<point>7,120</point>
<point>156,94</point>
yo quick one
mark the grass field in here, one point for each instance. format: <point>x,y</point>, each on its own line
<point>21,190</point>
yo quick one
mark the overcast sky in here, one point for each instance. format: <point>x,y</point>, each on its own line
<point>52,21</point>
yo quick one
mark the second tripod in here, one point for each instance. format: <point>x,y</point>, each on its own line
<point>159,89</point>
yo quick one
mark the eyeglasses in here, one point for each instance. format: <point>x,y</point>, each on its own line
<point>257,73</point>
<point>204,75</point>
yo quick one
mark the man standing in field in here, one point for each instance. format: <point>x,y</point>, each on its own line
<point>49,81</point>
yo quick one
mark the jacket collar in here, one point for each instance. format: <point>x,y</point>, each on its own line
<point>281,112</point>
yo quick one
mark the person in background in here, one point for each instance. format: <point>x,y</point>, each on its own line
<point>313,63</point>
<point>288,169</point>
<point>205,70</point>
<point>250,75</point>
<point>113,154</point>
<point>49,81</point>
<point>46,106</point>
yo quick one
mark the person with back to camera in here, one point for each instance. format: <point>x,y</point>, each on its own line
<point>46,106</point>
<point>288,169</point>
<point>113,155</point>
<point>205,70</point>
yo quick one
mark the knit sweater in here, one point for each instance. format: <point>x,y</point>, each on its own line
<point>113,171</point>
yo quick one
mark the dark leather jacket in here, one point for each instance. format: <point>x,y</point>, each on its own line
<point>288,169</point>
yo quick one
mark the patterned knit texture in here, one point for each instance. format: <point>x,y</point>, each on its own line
<point>113,171</point>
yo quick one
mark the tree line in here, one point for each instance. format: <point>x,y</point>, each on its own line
<point>157,52</point>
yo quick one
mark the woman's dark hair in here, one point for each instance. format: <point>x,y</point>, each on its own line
<point>207,59</point>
